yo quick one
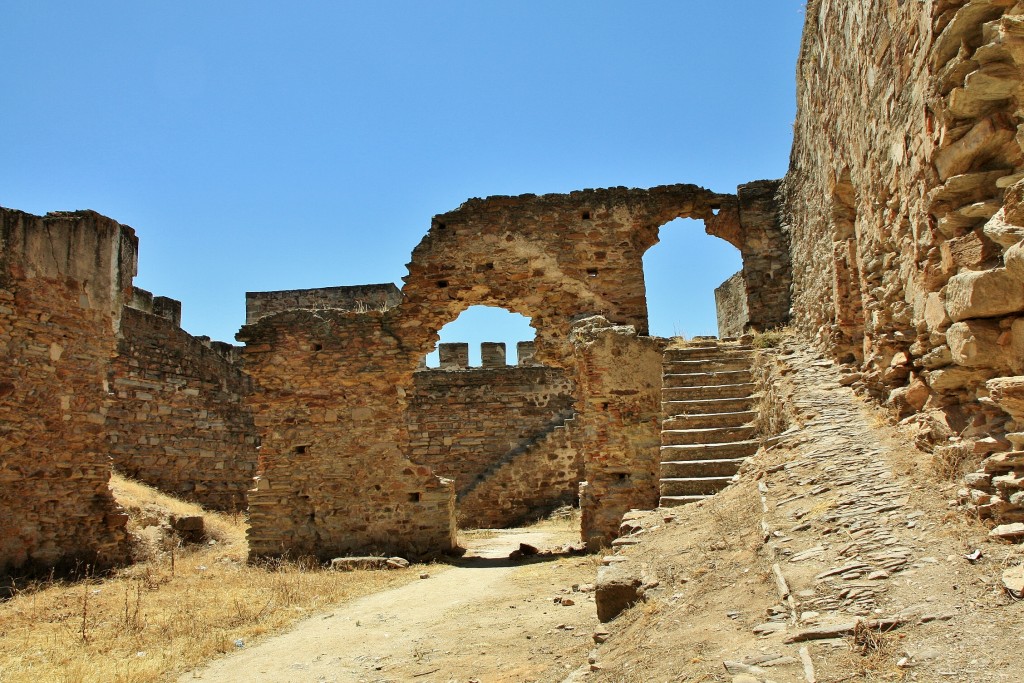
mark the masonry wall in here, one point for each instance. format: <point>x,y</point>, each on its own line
<point>731,306</point>
<point>470,423</point>
<point>334,476</point>
<point>619,423</point>
<point>903,204</point>
<point>351,298</point>
<point>63,280</point>
<point>335,466</point>
<point>178,421</point>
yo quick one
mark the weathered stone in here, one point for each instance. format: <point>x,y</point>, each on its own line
<point>1008,393</point>
<point>1013,581</point>
<point>1008,532</point>
<point>348,564</point>
<point>63,280</point>
<point>618,588</point>
<point>983,294</point>
<point>980,343</point>
<point>177,419</point>
<point>1001,232</point>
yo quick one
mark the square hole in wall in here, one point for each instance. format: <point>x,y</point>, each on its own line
<point>591,272</point>
<point>318,347</point>
<point>585,215</point>
<point>301,449</point>
<point>441,284</point>
<point>414,497</point>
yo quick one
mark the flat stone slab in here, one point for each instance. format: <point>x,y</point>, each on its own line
<point>348,564</point>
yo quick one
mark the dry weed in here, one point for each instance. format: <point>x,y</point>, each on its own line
<point>154,619</point>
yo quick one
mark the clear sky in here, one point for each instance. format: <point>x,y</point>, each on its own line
<point>267,145</point>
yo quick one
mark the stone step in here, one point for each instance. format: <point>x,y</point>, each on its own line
<point>706,406</point>
<point>707,365</point>
<point>681,469</point>
<point>737,418</point>
<point>706,379</point>
<point>708,352</point>
<point>701,393</point>
<point>694,486</point>
<point>709,451</point>
<point>674,437</point>
<point>676,501</point>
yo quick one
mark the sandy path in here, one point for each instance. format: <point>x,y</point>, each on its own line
<point>473,620</point>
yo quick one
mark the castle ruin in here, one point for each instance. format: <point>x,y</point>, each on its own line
<point>893,244</point>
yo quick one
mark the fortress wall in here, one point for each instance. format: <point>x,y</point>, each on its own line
<point>470,423</point>
<point>63,282</point>
<point>351,298</point>
<point>903,202</point>
<point>178,421</point>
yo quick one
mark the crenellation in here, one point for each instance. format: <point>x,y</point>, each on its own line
<point>492,355</point>
<point>453,356</point>
<point>526,353</point>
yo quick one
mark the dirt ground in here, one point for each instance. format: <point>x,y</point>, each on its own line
<point>844,491</point>
<point>485,618</point>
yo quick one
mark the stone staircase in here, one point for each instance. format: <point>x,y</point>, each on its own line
<point>708,413</point>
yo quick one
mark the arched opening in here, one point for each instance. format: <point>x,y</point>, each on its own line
<point>479,325</point>
<point>681,274</point>
<point>499,430</point>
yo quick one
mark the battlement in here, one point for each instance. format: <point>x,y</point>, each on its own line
<point>455,356</point>
<point>162,306</point>
<point>350,298</point>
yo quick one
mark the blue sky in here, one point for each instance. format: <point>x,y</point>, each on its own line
<point>258,145</point>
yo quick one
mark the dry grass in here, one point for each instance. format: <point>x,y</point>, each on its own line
<point>175,609</point>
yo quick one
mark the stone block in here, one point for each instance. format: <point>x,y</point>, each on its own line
<point>980,343</point>
<point>617,589</point>
<point>984,294</point>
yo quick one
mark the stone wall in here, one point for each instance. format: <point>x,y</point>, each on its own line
<point>618,428</point>
<point>336,472</point>
<point>63,281</point>
<point>731,306</point>
<point>178,421</point>
<point>351,298</point>
<point>903,204</point>
<point>767,271</point>
<point>469,424</point>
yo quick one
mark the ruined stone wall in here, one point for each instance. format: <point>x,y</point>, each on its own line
<point>335,467</point>
<point>350,298</point>
<point>618,423</point>
<point>334,472</point>
<point>767,271</point>
<point>178,421</point>
<point>468,424</point>
<point>731,306</point>
<point>902,203</point>
<point>63,279</point>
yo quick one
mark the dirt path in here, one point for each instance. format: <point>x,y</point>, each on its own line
<point>484,618</point>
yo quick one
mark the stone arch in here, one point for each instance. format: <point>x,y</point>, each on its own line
<point>689,265</point>
<point>333,383</point>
